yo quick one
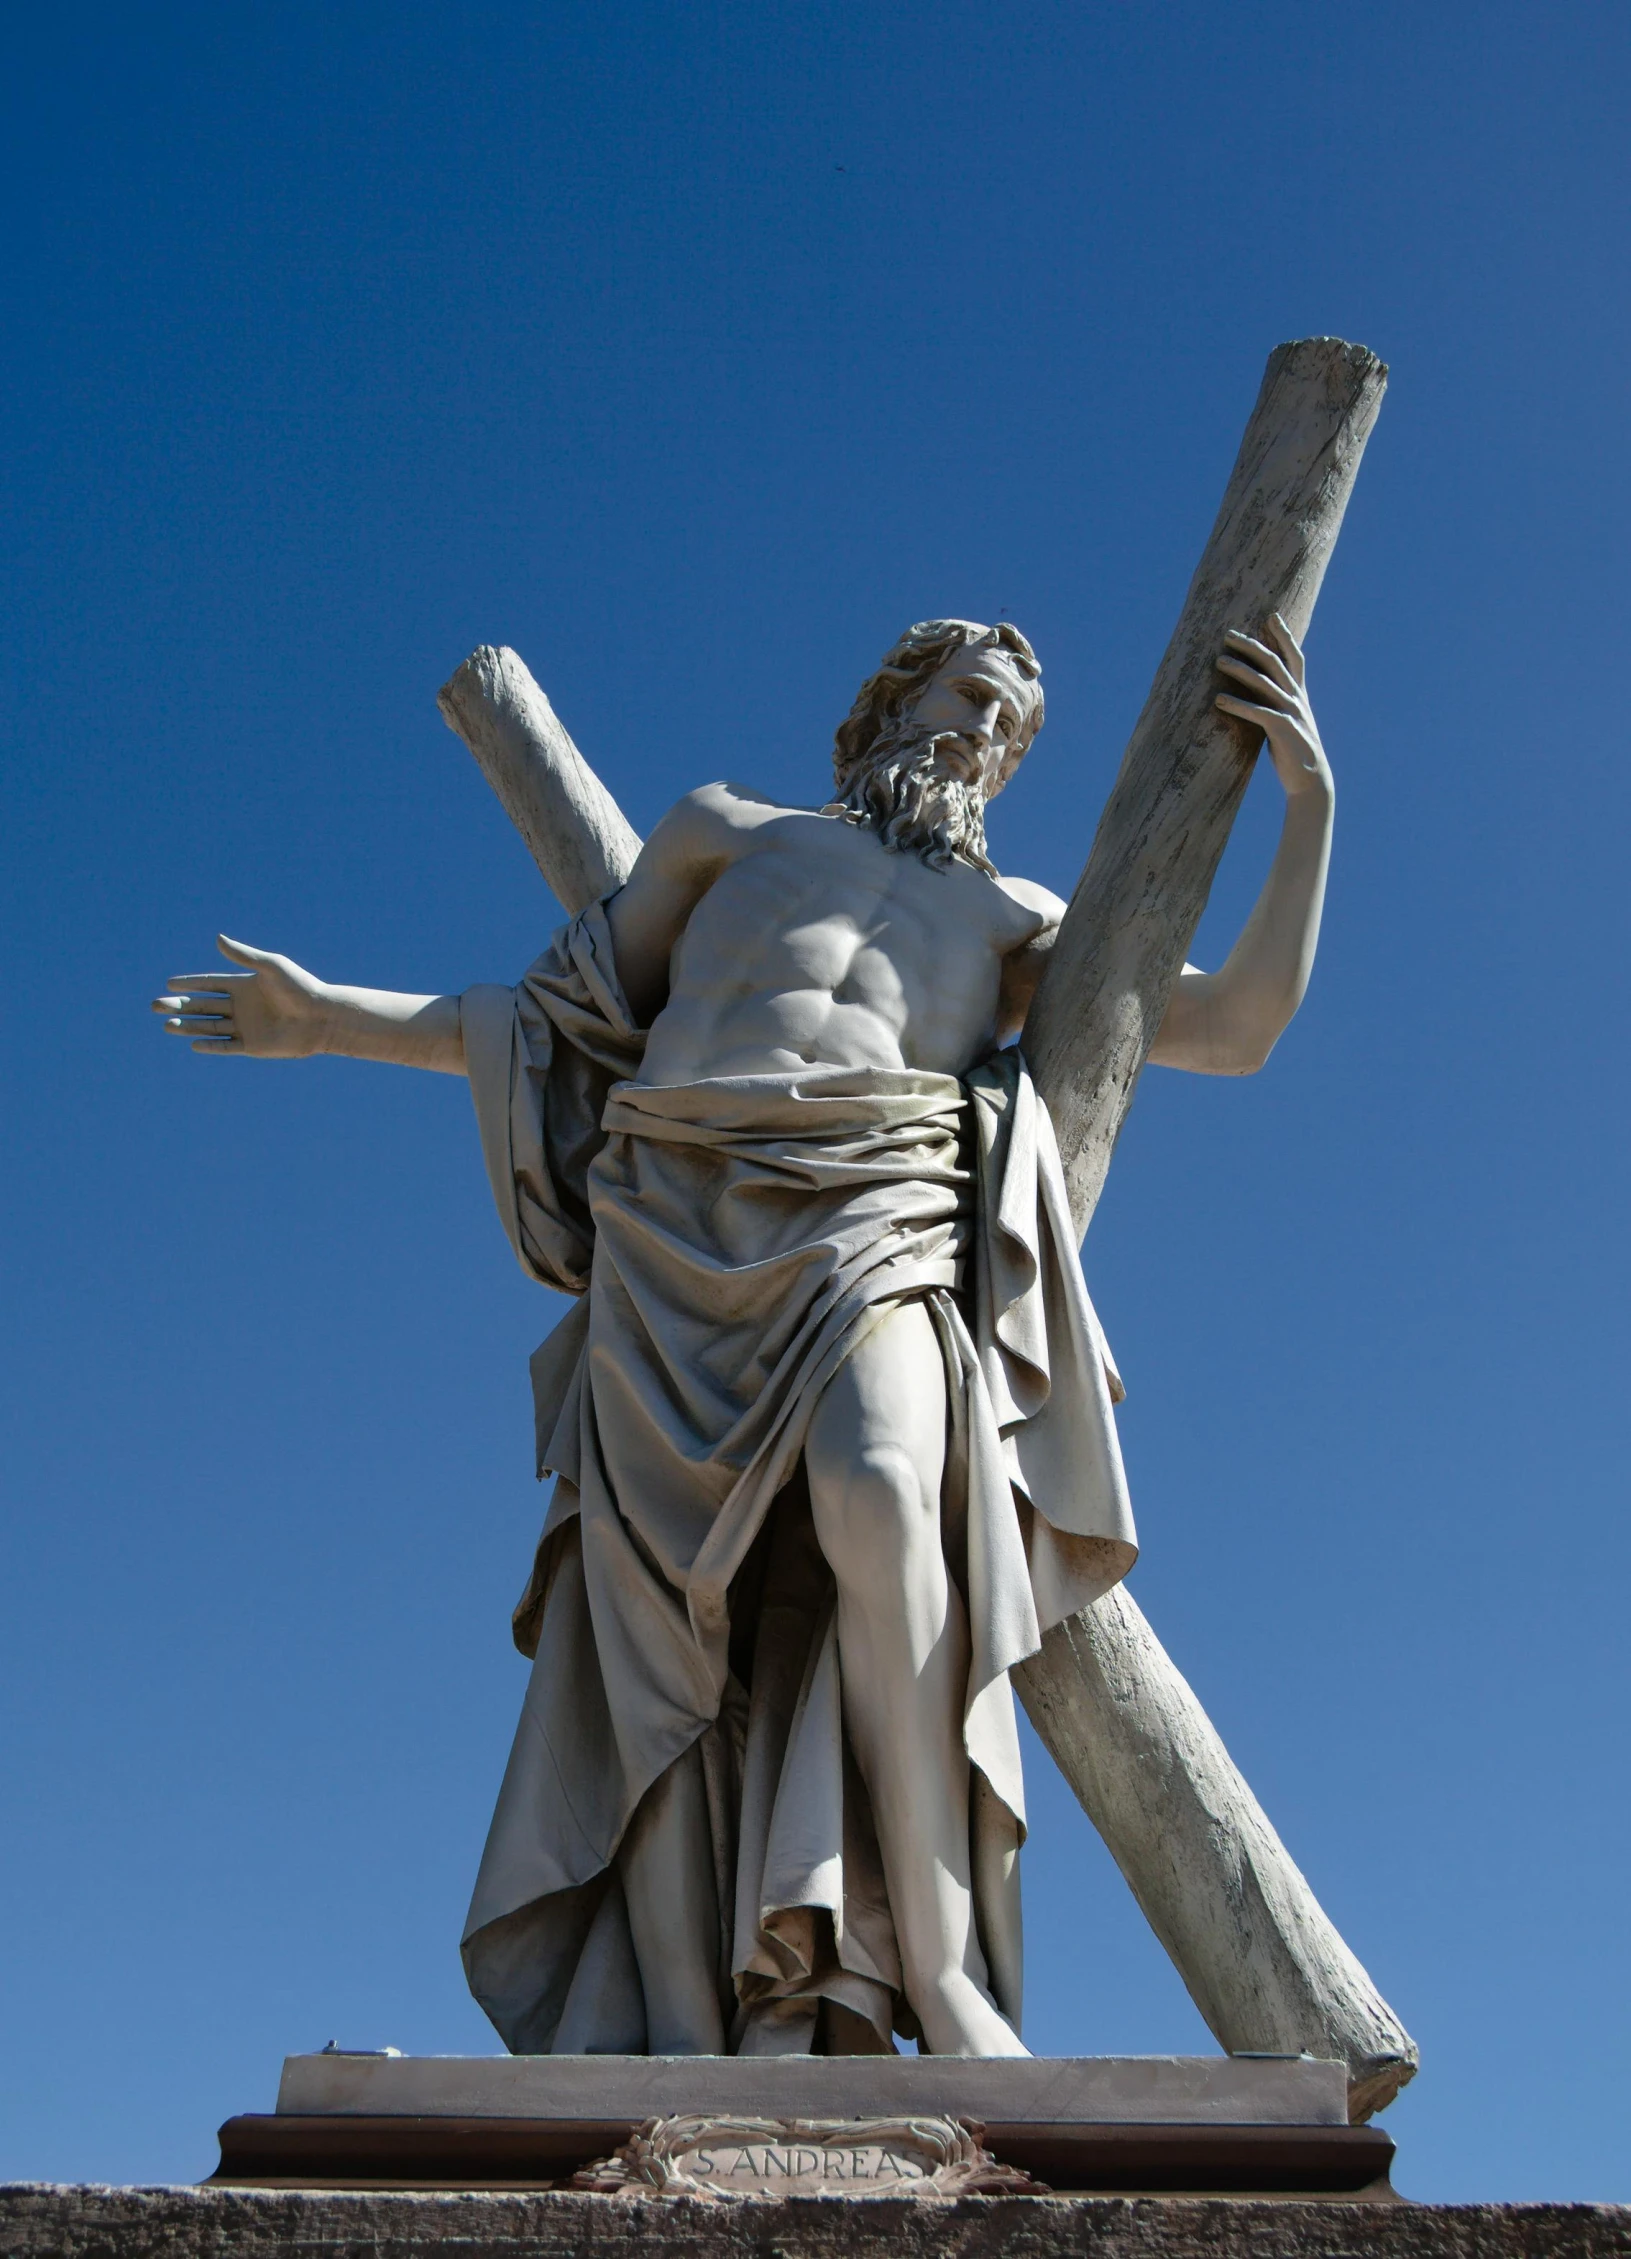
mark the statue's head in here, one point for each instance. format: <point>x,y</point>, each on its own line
<point>935,734</point>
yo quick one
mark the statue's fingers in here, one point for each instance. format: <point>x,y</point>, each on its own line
<point>217,983</point>
<point>1266,661</point>
<point>218,1043</point>
<point>1243,710</point>
<point>241,953</point>
<point>200,1023</point>
<point>1260,677</point>
<point>1289,645</point>
<point>1283,701</point>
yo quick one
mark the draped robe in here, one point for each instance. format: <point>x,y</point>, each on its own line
<point>730,1242</point>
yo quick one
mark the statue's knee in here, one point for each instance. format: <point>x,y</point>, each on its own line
<point>872,1515</point>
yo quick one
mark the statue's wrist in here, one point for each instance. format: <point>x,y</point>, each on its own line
<point>1312,788</point>
<point>328,1019</point>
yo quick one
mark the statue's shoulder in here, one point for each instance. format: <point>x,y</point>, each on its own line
<point>711,828</point>
<point>737,805</point>
<point>1040,901</point>
<point>724,817</point>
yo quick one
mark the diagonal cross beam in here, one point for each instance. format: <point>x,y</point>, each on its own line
<point>1261,1960</point>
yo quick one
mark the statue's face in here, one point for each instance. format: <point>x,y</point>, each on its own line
<point>984,702</point>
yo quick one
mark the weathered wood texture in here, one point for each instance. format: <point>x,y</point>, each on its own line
<point>1167,821</point>
<point>39,2221</point>
<point>1260,1958</point>
<point>1261,1961</point>
<point>579,836</point>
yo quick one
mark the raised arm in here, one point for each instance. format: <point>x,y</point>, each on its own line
<point>274,1009</point>
<point>1227,1022</point>
<point>1022,967</point>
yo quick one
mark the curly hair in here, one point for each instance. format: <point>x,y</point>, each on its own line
<point>907,669</point>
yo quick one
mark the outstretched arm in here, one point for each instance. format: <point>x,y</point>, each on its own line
<point>274,1009</point>
<point>1227,1022</point>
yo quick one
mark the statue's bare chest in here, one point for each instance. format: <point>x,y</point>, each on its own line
<point>806,873</point>
<point>814,906</point>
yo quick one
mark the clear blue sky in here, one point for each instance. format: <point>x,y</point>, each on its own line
<point>694,351</point>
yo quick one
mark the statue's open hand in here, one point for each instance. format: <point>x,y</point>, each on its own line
<point>1278,703</point>
<point>274,1010</point>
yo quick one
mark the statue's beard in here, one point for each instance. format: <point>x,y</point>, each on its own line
<point>894,788</point>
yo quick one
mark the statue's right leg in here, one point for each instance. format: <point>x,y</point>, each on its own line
<point>875,1454</point>
<point>666,1861</point>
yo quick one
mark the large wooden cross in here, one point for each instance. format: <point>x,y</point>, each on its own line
<point>1262,1962</point>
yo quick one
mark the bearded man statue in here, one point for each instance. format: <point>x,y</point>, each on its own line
<point>831,1421</point>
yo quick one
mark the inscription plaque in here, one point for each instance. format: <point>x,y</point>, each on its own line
<point>722,2157</point>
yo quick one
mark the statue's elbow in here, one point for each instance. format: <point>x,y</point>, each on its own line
<point>1256,1034</point>
<point>1249,1053</point>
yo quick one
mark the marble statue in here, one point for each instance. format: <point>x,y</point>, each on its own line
<point>831,1419</point>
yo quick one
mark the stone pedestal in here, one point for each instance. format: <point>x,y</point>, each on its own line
<point>38,2222</point>
<point>1224,2125</point>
